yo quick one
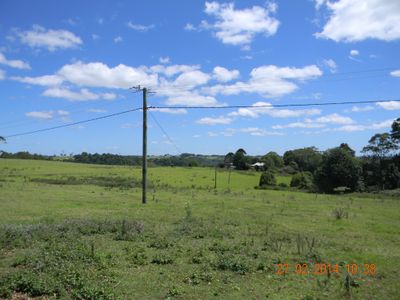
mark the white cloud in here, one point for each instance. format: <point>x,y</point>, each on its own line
<point>192,79</point>
<point>164,60</point>
<point>390,105</point>
<point>214,121</point>
<point>255,131</point>
<point>172,70</point>
<point>331,64</point>
<point>118,39</point>
<point>2,74</point>
<point>95,36</point>
<point>98,74</point>
<point>140,27</point>
<point>81,95</point>
<point>46,80</point>
<point>44,115</point>
<point>228,132</point>
<point>239,26</point>
<point>319,3</point>
<point>357,20</point>
<point>224,75</point>
<point>395,73</point>
<point>362,108</point>
<point>47,115</point>
<point>299,125</point>
<point>173,111</point>
<point>190,99</point>
<point>354,52</point>
<point>265,108</point>
<point>190,27</point>
<point>18,64</point>
<point>63,112</point>
<point>268,81</point>
<point>49,38</point>
<point>373,126</point>
<point>334,119</point>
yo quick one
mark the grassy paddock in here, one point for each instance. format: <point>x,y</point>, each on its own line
<point>79,231</point>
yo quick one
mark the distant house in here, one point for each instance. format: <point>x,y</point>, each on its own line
<point>258,166</point>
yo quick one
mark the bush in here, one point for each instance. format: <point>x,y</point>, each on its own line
<point>267,178</point>
<point>338,168</point>
<point>302,180</point>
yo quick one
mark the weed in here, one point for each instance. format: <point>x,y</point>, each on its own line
<point>340,213</point>
<point>163,258</point>
<point>160,243</point>
<point>59,268</point>
<point>229,262</point>
<point>129,231</point>
<point>137,256</point>
<point>173,292</point>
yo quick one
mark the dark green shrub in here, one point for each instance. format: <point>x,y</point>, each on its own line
<point>267,178</point>
<point>302,180</point>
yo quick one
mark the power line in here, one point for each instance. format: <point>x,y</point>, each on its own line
<point>80,108</point>
<point>276,105</point>
<point>74,123</point>
<point>202,107</point>
<point>165,133</point>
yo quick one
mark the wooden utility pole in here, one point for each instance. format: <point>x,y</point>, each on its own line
<point>144,158</point>
<point>215,178</point>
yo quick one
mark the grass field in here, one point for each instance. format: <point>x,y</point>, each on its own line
<point>80,231</point>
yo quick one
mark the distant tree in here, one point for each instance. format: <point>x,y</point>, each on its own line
<point>380,145</point>
<point>193,163</point>
<point>395,132</point>
<point>240,160</point>
<point>302,180</point>
<point>346,147</point>
<point>272,160</point>
<point>338,169</point>
<point>267,178</point>
<point>228,159</point>
<point>307,159</point>
<point>392,176</point>
<point>241,150</point>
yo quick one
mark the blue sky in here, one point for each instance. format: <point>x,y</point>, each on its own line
<point>66,61</point>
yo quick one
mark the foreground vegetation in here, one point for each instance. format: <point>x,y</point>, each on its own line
<point>79,231</point>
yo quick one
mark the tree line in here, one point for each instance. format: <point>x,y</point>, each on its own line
<point>339,168</point>
<point>336,169</point>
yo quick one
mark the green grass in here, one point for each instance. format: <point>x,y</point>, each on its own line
<point>80,231</point>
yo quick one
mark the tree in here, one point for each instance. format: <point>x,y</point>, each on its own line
<point>267,178</point>
<point>338,169</point>
<point>302,180</point>
<point>392,177</point>
<point>240,160</point>
<point>395,132</point>
<point>346,147</point>
<point>228,159</point>
<point>379,148</point>
<point>272,160</point>
<point>380,145</point>
<point>307,159</point>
